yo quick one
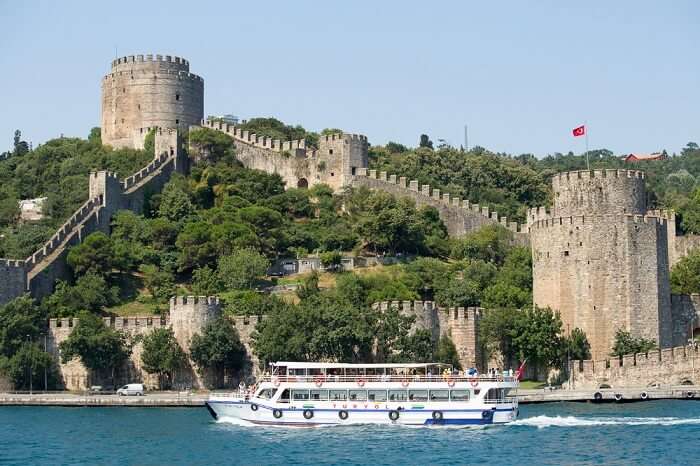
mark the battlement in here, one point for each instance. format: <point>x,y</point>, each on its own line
<point>343,136</point>
<point>668,366</point>
<point>580,220</point>
<point>462,314</point>
<point>575,176</point>
<point>161,72</point>
<point>409,307</point>
<point>185,300</point>
<point>436,198</point>
<point>242,322</point>
<point>12,263</point>
<point>120,323</point>
<point>145,172</point>
<point>167,60</point>
<point>669,215</point>
<point>253,139</point>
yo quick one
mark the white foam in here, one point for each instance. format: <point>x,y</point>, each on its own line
<point>571,421</point>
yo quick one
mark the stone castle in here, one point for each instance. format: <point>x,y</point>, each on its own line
<point>603,260</point>
<point>600,258</point>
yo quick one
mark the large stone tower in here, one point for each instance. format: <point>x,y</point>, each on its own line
<point>599,259</point>
<point>147,91</point>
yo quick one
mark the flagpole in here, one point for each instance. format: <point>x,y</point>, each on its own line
<point>585,131</point>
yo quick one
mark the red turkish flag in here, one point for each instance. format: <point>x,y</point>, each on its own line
<point>580,131</point>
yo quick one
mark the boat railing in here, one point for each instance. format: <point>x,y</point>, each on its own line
<point>497,401</point>
<point>362,379</point>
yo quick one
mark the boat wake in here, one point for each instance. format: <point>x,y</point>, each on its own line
<point>571,421</point>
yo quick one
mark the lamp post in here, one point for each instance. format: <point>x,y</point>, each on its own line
<point>31,364</point>
<point>45,368</point>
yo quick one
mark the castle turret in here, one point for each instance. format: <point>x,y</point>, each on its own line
<point>142,92</point>
<point>600,261</point>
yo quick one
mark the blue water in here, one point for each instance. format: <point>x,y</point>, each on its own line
<point>658,432</point>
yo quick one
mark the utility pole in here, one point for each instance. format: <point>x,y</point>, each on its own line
<point>45,368</point>
<point>466,138</point>
<point>31,364</point>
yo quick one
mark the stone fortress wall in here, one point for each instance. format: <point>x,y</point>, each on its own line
<point>147,91</point>
<point>678,365</point>
<point>38,273</point>
<point>341,160</point>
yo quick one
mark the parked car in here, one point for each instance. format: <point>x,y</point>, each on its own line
<point>132,389</point>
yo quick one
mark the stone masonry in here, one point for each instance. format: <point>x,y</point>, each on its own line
<point>144,92</point>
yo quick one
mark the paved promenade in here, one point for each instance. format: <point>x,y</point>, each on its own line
<point>183,399</point>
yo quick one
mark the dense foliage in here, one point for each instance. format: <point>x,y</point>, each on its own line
<point>625,343</point>
<point>218,348</point>
<point>162,355</point>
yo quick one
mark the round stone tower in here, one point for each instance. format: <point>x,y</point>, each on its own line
<point>600,261</point>
<point>147,91</point>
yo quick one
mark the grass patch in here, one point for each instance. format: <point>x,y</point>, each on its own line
<point>532,384</point>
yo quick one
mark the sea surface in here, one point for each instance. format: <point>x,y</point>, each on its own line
<point>654,432</point>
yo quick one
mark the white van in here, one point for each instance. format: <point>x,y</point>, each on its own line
<point>131,389</point>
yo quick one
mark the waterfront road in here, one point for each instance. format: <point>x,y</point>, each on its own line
<point>160,399</point>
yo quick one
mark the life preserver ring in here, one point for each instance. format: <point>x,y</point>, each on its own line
<point>393,415</point>
<point>618,396</point>
<point>437,415</point>
<point>276,381</point>
<point>644,395</point>
<point>308,414</point>
<point>253,407</point>
<point>690,394</point>
<point>318,380</point>
<point>277,413</point>
<point>450,382</point>
<point>342,414</point>
<point>597,396</point>
<point>486,415</point>
<point>405,383</point>
<point>360,382</point>
<point>474,382</point>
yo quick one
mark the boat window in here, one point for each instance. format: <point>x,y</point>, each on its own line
<point>338,395</point>
<point>376,395</point>
<point>284,397</point>
<point>358,395</point>
<point>398,395</point>
<point>418,395</point>
<point>494,394</point>
<point>459,395</point>
<point>266,393</point>
<point>439,395</point>
<point>319,395</point>
<point>300,395</point>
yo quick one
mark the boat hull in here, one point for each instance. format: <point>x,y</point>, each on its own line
<point>361,413</point>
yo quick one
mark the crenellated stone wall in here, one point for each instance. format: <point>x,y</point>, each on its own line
<point>460,324</point>
<point>460,216</point>
<point>679,365</point>
<point>38,273</point>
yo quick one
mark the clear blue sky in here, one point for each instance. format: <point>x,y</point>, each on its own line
<point>520,74</point>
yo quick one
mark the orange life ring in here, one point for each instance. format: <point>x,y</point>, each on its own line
<point>361,382</point>
<point>276,381</point>
<point>474,382</point>
<point>404,383</point>
<point>318,380</point>
<point>450,382</point>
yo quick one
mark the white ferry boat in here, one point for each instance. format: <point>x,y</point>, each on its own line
<point>312,394</point>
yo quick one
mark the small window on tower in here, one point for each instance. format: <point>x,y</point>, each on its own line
<point>566,253</point>
<point>330,151</point>
<point>332,174</point>
<point>124,90</point>
<point>177,121</point>
<point>177,96</point>
<point>139,106</point>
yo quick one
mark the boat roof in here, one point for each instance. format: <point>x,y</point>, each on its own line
<point>343,365</point>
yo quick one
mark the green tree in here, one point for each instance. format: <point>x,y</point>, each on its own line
<point>206,281</point>
<point>100,348</point>
<point>625,343</point>
<point>160,283</point>
<point>91,292</point>
<point>425,141</point>
<point>685,275</point>
<point>537,337</point>
<point>162,355</point>
<point>576,345</point>
<point>211,145</point>
<point>447,353</point>
<point>175,202</point>
<point>331,260</point>
<point>20,147</point>
<point>309,287</point>
<point>218,348</point>
<point>490,243</point>
<point>95,136</point>
<point>95,254</point>
<point>242,269</point>
<point>29,362</point>
<point>497,331</point>
<point>414,347</point>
